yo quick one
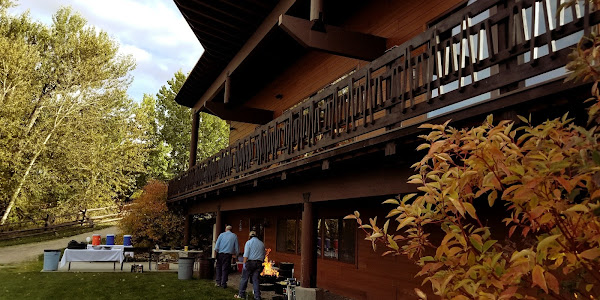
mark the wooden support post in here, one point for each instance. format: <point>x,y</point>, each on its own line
<point>316,15</point>
<point>219,220</point>
<point>194,139</point>
<point>217,230</point>
<point>316,10</point>
<point>186,230</point>
<point>46,222</point>
<point>227,92</point>
<point>308,260</point>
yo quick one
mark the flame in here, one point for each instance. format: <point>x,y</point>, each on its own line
<point>268,270</point>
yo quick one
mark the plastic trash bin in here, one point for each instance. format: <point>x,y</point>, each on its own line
<point>186,268</point>
<point>51,258</point>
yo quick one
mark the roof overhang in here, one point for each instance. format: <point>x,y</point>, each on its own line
<point>270,45</point>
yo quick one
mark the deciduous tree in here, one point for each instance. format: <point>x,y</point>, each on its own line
<point>64,111</point>
<point>175,127</point>
<point>149,221</point>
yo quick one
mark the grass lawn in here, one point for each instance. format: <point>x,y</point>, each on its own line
<point>52,235</point>
<point>25,281</point>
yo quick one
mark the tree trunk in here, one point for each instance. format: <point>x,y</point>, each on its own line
<point>15,195</point>
<point>36,110</point>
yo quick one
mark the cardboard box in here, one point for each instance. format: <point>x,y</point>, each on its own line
<point>163,266</point>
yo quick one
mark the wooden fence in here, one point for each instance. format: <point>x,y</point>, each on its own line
<point>53,223</point>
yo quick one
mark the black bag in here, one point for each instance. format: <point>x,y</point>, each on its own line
<point>73,244</point>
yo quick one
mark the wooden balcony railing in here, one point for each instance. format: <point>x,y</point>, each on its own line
<point>484,50</point>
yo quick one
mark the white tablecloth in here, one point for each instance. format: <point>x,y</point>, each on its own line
<point>70,255</point>
<point>90,247</point>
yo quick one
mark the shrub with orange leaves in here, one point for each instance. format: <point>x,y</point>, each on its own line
<point>149,221</point>
<point>547,176</point>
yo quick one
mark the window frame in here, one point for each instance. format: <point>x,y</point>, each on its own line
<point>321,234</point>
<point>297,236</point>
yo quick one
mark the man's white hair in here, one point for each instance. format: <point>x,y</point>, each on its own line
<point>228,228</point>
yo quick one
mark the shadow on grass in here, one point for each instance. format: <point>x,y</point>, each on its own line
<point>25,281</point>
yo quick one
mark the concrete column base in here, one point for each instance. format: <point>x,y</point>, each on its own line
<point>309,293</point>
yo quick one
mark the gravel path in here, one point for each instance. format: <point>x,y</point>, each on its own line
<point>25,252</point>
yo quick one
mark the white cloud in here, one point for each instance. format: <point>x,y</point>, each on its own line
<point>140,55</point>
<point>153,31</point>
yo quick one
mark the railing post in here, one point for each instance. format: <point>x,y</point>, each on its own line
<point>83,212</point>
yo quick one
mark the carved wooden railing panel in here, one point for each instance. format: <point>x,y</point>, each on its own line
<point>490,46</point>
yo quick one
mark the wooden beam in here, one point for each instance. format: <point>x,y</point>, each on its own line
<point>390,148</point>
<point>194,139</point>
<point>236,61</point>
<point>240,114</point>
<point>334,40</point>
<point>206,15</point>
<point>227,92</point>
<point>221,11</point>
<point>234,3</point>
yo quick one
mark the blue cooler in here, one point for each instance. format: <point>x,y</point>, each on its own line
<point>110,239</point>
<point>127,240</point>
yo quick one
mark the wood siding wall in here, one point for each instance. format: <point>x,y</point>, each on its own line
<point>398,21</point>
<point>371,277</point>
<point>359,186</point>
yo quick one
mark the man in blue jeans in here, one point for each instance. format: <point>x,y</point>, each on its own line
<point>254,255</point>
<point>226,247</point>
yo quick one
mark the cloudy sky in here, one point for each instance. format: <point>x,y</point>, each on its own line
<point>153,31</point>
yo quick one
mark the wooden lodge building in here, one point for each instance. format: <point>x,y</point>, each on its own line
<point>324,99</point>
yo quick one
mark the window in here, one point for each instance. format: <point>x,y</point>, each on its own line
<point>258,225</point>
<point>286,235</point>
<point>289,234</point>
<point>336,239</point>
